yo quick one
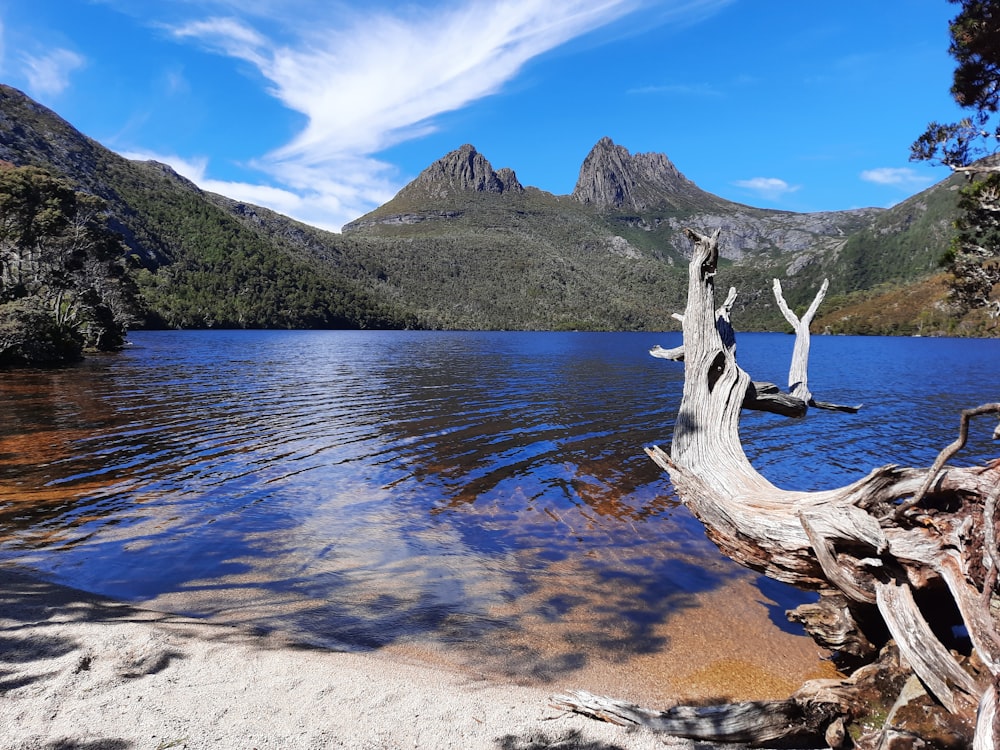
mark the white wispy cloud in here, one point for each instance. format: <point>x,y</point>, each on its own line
<point>680,89</point>
<point>227,36</point>
<point>48,74</point>
<point>371,84</point>
<point>771,188</point>
<point>901,177</point>
<point>365,84</point>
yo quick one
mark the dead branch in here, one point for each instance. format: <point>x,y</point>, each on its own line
<point>798,370</point>
<point>856,544</point>
<point>755,722</point>
<point>948,453</point>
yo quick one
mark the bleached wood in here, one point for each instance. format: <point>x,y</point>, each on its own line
<point>949,452</point>
<point>752,721</point>
<point>988,721</point>
<point>863,540</point>
<point>921,648</point>
<point>676,353</point>
<point>798,371</point>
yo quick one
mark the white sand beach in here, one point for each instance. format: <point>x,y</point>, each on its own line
<point>81,672</point>
<point>78,671</point>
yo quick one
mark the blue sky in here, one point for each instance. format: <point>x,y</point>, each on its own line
<point>324,109</point>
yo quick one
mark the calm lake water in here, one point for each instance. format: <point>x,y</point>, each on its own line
<point>450,490</point>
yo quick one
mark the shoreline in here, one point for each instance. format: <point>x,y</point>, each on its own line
<point>81,671</point>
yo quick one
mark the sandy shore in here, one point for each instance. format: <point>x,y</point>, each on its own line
<point>78,671</point>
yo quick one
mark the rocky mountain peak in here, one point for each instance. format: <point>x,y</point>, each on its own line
<point>611,177</point>
<point>465,169</point>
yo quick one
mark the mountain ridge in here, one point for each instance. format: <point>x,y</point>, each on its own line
<point>465,245</point>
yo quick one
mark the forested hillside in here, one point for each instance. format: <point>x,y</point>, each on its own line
<point>465,246</point>
<point>64,284</point>
<point>196,264</point>
<point>611,254</point>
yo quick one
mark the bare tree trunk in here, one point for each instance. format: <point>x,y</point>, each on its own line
<point>880,544</point>
<point>798,371</point>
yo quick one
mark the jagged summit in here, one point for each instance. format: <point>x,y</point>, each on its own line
<point>464,169</point>
<point>611,177</point>
<point>441,191</point>
<point>466,246</point>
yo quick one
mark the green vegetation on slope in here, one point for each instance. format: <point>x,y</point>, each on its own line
<point>906,242</point>
<point>520,261</point>
<point>222,274</point>
<point>444,255</point>
<point>200,265</point>
<point>63,288</point>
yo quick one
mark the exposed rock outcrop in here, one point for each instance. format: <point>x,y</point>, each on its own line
<point>464,169</point>
<point>611,177</point>
<point>459,173</point>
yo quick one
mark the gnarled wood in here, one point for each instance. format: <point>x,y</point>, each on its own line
<point>815,712</point>
<point>832,624</point>
<point>874,542</point>
<point>755,722</point>
<point>768,397</point>
<point>921,648</point>
<point>798,370</point>
<point>949,452</point>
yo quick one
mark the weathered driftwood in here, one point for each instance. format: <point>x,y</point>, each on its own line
<point>873,549</point>
<point>763,396</point>
<point>820,710</point>
<point>750,721</point>
<point>759,396</point>
<point>798,370</point>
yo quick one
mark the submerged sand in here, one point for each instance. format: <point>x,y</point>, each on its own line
<point>79,671</point>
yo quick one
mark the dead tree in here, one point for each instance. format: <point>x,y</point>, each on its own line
<point>763,396</point>
<point>882,552</point>
<point>798,370</point>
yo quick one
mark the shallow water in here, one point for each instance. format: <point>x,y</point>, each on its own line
<point>458,492</point>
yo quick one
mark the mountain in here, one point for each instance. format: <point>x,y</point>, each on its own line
<point>198,262</point>
<point>468,246</point>
<point>461,171</point>
<point>623,222</point>
<point>613,179</point>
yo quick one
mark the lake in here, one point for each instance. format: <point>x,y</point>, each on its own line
<point>478,499</point>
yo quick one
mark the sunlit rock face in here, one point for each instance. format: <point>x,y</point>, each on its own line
<point>611,177</point>
<point>465,169</point>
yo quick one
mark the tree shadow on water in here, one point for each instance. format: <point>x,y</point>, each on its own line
<point>548,621</point>
<point>608,615</point>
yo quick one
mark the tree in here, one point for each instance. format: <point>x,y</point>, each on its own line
<point>903,559</point>
<point>62,278</point>
<point>970,147</point>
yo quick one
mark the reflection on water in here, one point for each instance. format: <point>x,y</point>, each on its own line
<point>442,490</point>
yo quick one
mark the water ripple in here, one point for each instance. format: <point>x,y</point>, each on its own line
<point>365,488</point>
